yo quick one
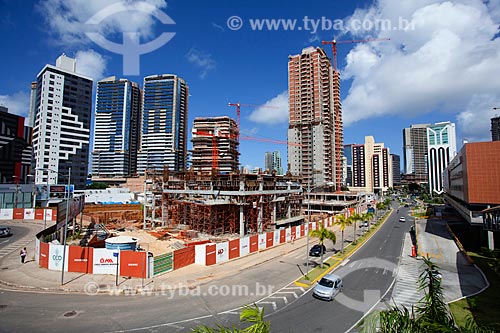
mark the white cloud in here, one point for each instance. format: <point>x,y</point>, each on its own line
<point>91,64</point>
<point>18,103</point>
<point>474,122</point>
<point>447,63</point>
<point>66,19</point>
<point>201,60</point>
<point>274,111</point>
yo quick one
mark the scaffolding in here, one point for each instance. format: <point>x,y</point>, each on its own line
<point>232,203</point>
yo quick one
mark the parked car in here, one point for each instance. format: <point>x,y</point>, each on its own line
<point>328,287</point>
<point>402,219</point>
<point>365,224</point>
<point>315,251</point>
<point>5,231</point>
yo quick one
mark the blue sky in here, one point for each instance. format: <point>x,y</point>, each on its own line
<point>442,65</point>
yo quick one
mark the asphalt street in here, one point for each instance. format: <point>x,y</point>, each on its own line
<point>269,285</point>
<point>367,277</point>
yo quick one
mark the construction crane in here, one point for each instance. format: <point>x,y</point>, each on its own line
<point>271,141</point>
<point>239,105</point>
<point>335,42</point>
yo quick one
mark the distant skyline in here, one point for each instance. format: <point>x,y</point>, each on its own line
<point>441,63</point>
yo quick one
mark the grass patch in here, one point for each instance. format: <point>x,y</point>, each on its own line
<point>316,272</point>
<point>334,260</point>
<point>484,307</point>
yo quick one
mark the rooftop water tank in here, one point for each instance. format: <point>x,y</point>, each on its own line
<point>121,243</point>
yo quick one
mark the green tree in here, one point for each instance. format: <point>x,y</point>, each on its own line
<point>355,218</point>
<point>251,314</point>
<point>323,234</point>
<point>97,186</point>
<point>342,222</point>
<point>368,216</point>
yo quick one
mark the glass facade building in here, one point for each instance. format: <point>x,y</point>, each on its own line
<point>163,124</point>
<point>116,128</point>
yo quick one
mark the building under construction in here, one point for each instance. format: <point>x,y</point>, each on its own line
<point>315,123</point>
<point>226,203</point>
<point>236,203</point>
<point>215,145</point>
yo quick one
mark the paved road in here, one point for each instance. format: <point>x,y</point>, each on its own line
<point>367,276</point>
<point>267,284</point>
<point>21,236</point>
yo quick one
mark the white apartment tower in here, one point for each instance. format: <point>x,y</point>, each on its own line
<point>442,148</point>
<point>61,114</point>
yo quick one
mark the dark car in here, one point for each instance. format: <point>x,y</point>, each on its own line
<point>315,251</point>
<point>5,231</point>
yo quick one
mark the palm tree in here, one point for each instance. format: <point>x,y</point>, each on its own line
<point>368,216</point>
<point>322,234</point>
<point>251,314</point>
<point>379,206</point>
<point>343,222</point>
<point>355,218</point>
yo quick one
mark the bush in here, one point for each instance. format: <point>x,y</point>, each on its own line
<point>486,252</point>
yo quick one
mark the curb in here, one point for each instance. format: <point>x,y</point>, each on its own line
<point>347,256</point>
<point>460,246</point>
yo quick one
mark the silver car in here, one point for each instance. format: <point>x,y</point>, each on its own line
<point>5,231</point>
<point>328,287</point>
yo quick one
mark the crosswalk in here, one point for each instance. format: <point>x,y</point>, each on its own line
<point>275,301</point>
<point>14,246</point>
<point>405,292</point>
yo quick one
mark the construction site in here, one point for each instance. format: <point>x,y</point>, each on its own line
<point>229,204</point>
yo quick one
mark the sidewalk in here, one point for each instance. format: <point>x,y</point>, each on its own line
<point>30,276</point>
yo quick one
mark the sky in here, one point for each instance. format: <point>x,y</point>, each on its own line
<point>438,60</point>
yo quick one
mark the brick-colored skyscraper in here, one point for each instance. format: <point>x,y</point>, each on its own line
<point>315,119</point>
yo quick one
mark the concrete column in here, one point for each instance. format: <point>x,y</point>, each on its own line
<point>259,216</point>
<point>274,208</point>
<point>242,222</point>
<point>491,240</point>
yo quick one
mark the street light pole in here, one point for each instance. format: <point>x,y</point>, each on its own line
<point>65,226</point>
<point>308,222</point>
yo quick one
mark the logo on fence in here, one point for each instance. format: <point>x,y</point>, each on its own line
<point>57,258</point>
<point>106,261</point>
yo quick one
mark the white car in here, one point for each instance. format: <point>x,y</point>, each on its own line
<point>328,287</point>
<point>402,219</point>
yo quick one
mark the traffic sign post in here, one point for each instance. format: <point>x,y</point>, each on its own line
<point>117,255</point>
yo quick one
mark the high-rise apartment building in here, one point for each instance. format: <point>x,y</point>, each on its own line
<point>163,124</point>
<point>396,170</point>
<point>315,121</point>
<point>62,115</point>
<point>348,164</point>
<point>116,137</point>
<point>371,167</point>
<point>272,161</point>
<point>442,148</point>
<point>495,129</point>
<point>215,145</point>
<point>15,148</point>
<point>415,152</point>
